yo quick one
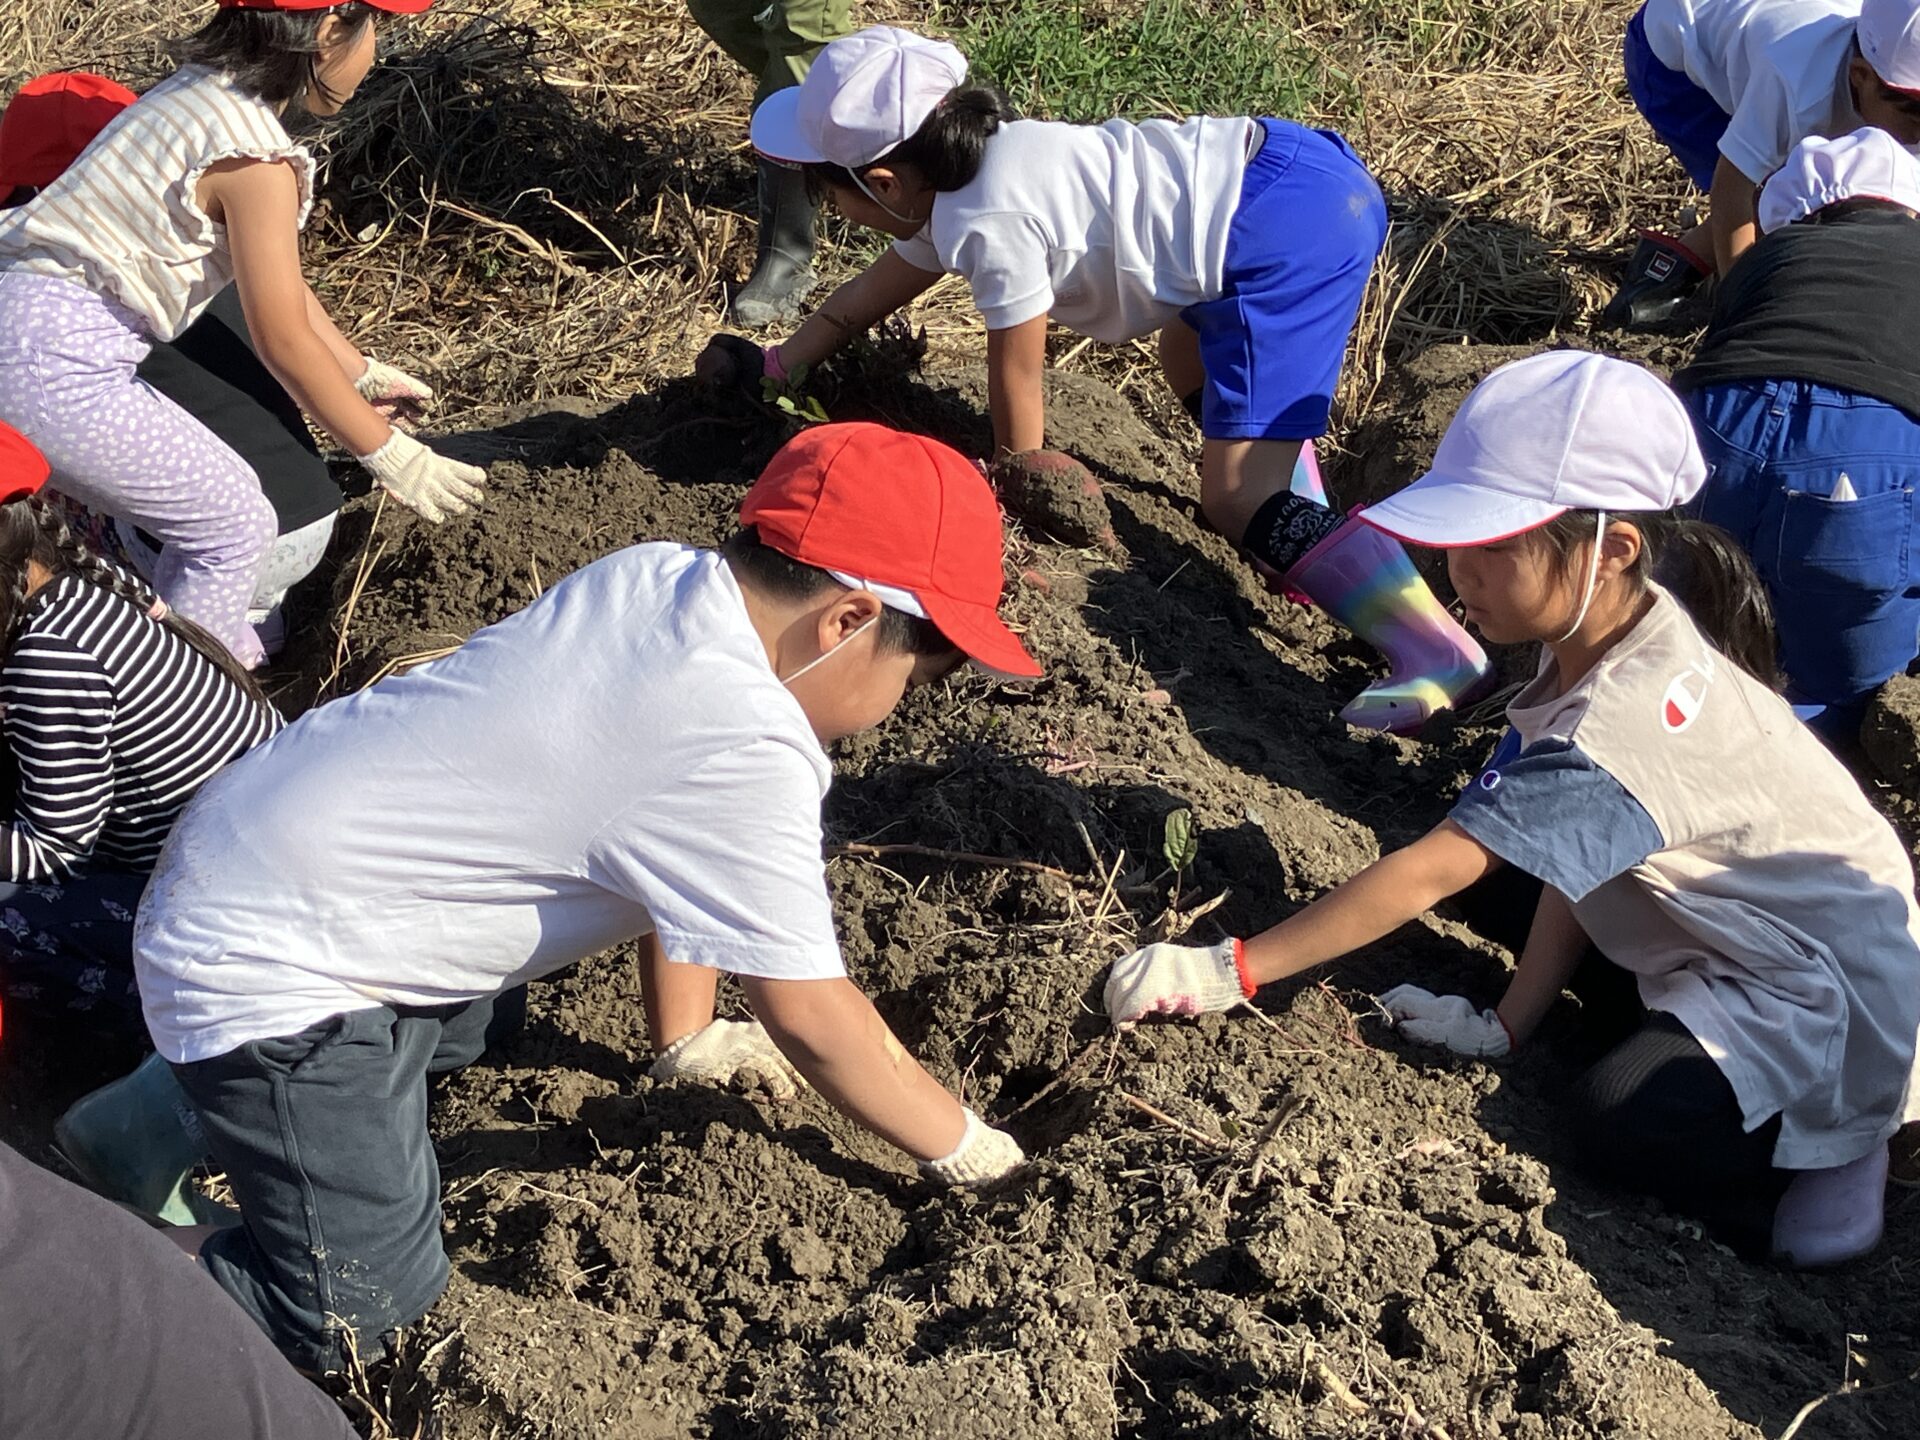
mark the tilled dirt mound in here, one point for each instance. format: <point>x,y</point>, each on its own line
<point>1279,1224</point>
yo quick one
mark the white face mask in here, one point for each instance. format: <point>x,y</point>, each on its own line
<point>826,654</point>
<point>1593,575</point>
<point>903,219</point>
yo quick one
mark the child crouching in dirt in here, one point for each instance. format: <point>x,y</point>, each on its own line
<point>1246,243</point>
<point>1684,823</point>
<point>1805,394</point>
<point>211,369</point>
<point>638,752</point>
<point>115,712</point>
<point>193,186</point>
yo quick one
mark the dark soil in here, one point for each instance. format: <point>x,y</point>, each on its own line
<point>1352,1236</point>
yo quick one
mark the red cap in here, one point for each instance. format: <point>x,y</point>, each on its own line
<point>23,469</point>
<point>50,120</point>
<point>901,510</point>
<point>392,7</point>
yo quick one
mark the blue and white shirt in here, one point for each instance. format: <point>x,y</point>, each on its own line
<point>1711,845</point>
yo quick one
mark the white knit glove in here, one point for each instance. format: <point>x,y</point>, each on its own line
<point>734,1053</point>
<point>983,1155</point>
<point>424,480</point>
<point>1448,1020</point>
<point>1176,980</point>
<point>389,389</point>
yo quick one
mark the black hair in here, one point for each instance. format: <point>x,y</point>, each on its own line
<point>1907,103</point>
<point>1701,564</point>
<point>33,532</point>
<point>779,576</point>
<point>271,54</point>
<point>947,148</point>
<point>1857,205</point>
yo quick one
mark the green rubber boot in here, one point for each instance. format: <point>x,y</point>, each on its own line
<point>136,1141</point>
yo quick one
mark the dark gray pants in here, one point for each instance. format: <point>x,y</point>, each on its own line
<point>323,1136</point>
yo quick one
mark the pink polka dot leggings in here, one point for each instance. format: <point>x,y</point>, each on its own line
<point>121,448</point>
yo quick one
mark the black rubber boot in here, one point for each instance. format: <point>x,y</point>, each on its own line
<point>783,270</point>
<point>1659,278</point>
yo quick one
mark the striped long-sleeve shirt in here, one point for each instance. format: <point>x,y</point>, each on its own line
<point>114,722</point>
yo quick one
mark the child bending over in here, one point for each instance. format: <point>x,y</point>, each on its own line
<point>1684,824</point>
<point>194,186</point>
<point>1246,243</point>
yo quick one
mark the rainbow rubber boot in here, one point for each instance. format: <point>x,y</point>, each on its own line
<point>1363,578</point>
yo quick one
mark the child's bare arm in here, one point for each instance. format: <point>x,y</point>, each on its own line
<point>856,307</point>
<point>351,361</point>
<point>678,998</point>
<point>834,1037</point>
<point>1016,359</point>
<point>1374,903</point>
<point>259,203</point>
<point>1732,222</point>
<point>1555,946</point>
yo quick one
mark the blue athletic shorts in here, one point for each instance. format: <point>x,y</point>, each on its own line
<point>1687,119</point>
<point>1842,575</point>
<point>1299,251</point>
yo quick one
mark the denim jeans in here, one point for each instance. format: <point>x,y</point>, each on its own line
<point>1840,572</point>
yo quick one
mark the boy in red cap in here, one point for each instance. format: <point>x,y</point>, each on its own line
<point>638,754</point>
<point>195,186</point>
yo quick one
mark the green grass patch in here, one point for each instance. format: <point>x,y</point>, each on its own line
<point>1087,61</point>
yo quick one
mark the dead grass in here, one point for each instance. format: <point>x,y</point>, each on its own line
<point>546,199</point>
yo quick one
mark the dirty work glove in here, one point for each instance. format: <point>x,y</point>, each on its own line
<point>983,1155</point>
<point>1177,980</point>
<point>424,480</point>
<point>1448,1020</point>
<point>734,1053</point>
<point>387,389</point>
<point>733,362</point>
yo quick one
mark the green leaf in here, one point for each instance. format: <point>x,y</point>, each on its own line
<point>1180,844</point>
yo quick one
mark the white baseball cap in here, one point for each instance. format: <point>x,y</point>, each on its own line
<point>1555,432</point>
<point>1868,164</point>
<point>1889,35</point>
<point>864,95</point>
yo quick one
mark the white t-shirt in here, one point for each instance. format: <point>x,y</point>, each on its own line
<point>619,757</point>
<point>1712,846</point>
<point>1113,229</point>
<point>1778,67</point>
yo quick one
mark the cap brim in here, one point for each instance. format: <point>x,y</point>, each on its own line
<point>1447,514</point>
<point>982,637</point>
<point>775,130</point>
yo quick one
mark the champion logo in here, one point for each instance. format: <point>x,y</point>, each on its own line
<point>1686,693</point>
<point>1490,780</point>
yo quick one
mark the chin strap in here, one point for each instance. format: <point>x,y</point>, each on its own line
<point>1593,574</point>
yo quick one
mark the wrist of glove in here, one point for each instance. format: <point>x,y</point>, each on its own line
<point>1449,1020</point>
<point>1177,980</point>
<point>983,1155</point>
<point>425,481</point>
<point>738,1054</point>
<point>381,384</point>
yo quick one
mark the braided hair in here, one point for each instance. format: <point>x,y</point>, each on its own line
<point>33,533</point>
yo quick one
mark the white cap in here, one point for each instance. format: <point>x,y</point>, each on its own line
<point>1889,35</point>
<point>864,95</point>
<point>1539,437</point>
<point>1868,164</point>
<point>904,601</point>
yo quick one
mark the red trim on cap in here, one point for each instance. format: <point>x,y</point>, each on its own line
<point>392,7</point>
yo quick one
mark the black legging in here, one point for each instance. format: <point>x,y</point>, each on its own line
<point>1654,1114</point>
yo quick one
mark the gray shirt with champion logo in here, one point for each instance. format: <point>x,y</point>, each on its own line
<point>1711,845</point>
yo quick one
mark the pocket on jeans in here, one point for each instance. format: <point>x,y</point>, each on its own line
<point>288,1054</point>
<point>1841,547</point>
